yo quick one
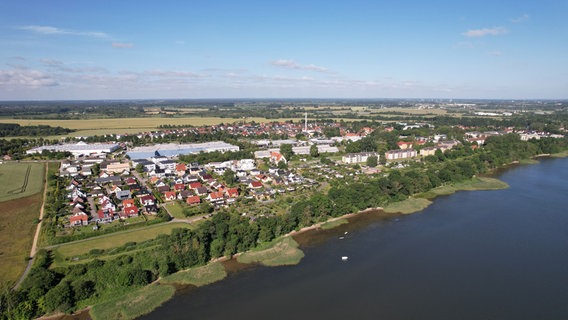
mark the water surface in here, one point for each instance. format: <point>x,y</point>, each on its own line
<point>471,255</point>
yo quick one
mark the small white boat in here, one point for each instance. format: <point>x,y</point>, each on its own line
<point>344,258</point>
<point>341,238</point>
<point>346,232</point>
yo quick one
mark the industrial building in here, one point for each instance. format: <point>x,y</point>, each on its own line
<point>77,149</point>
<point>175,149</point>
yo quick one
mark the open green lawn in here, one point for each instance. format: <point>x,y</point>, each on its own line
<point>280,252</point>
<point>17,230</point>
<point>18,180</point>
<point>197,276</point>
<point>133,304</point>
<point>175,208</point>
<point>73,249</point>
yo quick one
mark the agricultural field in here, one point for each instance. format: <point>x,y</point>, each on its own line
<point>67,251</point>
<point>411,111</point>
<point>90,127</point>
<point>20,199</point>
<point>18,219</point>
<point>18,180</point>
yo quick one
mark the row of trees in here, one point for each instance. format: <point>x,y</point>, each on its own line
<point>16,130</point>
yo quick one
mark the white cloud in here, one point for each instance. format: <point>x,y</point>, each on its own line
<point>520,19</point>
<point>60,66</point>
<point>25,78</point>
<point>496,53</point>
<point>48,30</point>
<point>172,74</point>
<point>291,64</point>
<point>122,45</point>
<point>476,33</point>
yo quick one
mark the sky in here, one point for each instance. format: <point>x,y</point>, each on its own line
<point>82,50</point>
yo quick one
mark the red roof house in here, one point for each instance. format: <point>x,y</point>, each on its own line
<point>215,196</point>
<point>79,219</point>
<point>193,200</point>
<point>169,195</point>
<point>232,192</point>
<point>255,185</point>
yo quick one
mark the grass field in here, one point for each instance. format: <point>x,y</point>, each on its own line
<point>69,250</point>
<point>408,206</point>
<point>411,111</point>
<point>280,252</point>
<point>478,183</point>
<point>21,186</point>
<point>200,276</point>
<point>133,304</point>
<point>18,180</point>
<point>89,127</point>
<point>176,209</point>
<point>17,230</point>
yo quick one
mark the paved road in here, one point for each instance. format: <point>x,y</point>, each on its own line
<point>33,251</point>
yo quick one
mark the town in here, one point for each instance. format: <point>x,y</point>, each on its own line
<point>116,181</point>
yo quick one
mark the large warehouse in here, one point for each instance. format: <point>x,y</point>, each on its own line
<point>77,149</point>
<point>174,149</point>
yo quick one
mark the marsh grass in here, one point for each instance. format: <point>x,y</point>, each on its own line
<point>280,252</point>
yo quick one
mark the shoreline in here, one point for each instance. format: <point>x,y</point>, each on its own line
<point>85,313</point>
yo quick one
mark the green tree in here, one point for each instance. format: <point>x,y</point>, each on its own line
<point>229,177</point>
<point>372,161</point>
<point>286,151</point>
<point>83,289</point>
<point>96,169</point>
<point>139,168</point>
<point>282,165</point>
<point>314,152</point>
<point>60,298</point>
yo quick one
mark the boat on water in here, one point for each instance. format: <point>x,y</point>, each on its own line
<point>344,258</point>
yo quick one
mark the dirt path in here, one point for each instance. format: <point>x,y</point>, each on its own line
<point>33,251</point>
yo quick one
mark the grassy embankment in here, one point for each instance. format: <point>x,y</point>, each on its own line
<point>64,254</point>
<point>21,197</point>
<point>146,299</point>
<point>562,154</point>
<point>134,304</point>
<point>198,277</point>
<point>422,201</point>
<point>334,223</point>
<point>279,252</point>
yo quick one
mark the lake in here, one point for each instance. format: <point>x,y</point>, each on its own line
<point>471,255</point>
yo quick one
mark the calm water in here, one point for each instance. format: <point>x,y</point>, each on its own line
<point>472,255</point>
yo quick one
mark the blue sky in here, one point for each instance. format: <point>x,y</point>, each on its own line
<point>507,49</point>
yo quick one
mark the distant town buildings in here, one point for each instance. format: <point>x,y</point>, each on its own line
<point>358,157</point>
<point>77,149</point>
<point>400,154</point>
